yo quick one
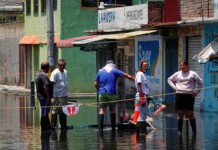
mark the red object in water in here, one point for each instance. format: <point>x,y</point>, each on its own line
<point>142,99</point>
<point>159,109</point>
<point>136,113</point>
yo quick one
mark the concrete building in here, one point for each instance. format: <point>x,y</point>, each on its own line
<point>183,29</point>
<point>194,24</point>
<point>11,30</point>
<point>71,18</point>
<point>179,29</point>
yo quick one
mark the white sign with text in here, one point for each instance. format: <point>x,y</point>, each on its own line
<point>123,18</point>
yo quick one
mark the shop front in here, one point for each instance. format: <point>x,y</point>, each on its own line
<point>127,45</point>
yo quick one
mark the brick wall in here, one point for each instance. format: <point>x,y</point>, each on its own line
<point>155,12</point>
<point>196,9</point>
<point>10,34</point>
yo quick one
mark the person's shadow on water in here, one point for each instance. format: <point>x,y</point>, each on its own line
<point>55,139</point>
<point>187,142</point>
<point>45,140</point>
<point>107,140</point>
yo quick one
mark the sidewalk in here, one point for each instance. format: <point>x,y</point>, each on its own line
<point>13,89</point>
<point>21,89</point>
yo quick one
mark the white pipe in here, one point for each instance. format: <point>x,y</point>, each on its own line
<point>197,21</point>
<point>11,8</point>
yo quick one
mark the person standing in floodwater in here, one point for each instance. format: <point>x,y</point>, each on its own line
<point>44,94</point>
<point>105,83</point>
<point>187,85</point>
<point>143,91</point>
<point>60,93</point>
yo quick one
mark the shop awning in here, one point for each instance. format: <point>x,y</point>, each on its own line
<point>116,36</point>
<point>208,52</point>
<point>29,39</point>
<point>69,42</point>
<point>45,41</point>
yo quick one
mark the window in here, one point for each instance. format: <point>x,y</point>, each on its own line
<point>125,2</point>
<point>89,3</point>
<point>95,3</point>
<point>36,6</point>
<point>43,6</point>
<point>109,1</point>
<point>28,7</point>
<point>13,19</point>
<point>55,4</point>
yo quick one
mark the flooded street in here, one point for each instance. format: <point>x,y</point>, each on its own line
<point>20,130</point>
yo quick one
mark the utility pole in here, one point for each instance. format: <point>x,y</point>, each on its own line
<point>50,33</point>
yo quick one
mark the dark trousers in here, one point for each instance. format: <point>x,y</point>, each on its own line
<point>45,109</point>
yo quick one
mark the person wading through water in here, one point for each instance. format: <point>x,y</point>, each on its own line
<point>105,83</point>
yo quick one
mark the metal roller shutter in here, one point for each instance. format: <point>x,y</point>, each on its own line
<point>194,47</point>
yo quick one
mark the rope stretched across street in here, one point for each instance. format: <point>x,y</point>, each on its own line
<point>89,104</point>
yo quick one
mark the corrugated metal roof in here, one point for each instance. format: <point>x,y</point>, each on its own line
<point>69,42</point>
<point>116,36</point>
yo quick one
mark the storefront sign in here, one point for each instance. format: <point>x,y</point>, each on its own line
<point>123,18</point>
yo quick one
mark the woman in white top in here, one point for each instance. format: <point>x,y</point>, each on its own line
<point>187,85</point>
<point>142,86</point>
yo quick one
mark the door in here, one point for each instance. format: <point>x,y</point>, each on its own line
<point>171,46</point>
<point>102,56</point>
<point>28,65</point>
<point>21,64</point>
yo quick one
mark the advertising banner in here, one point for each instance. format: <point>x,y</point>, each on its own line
<point>150,50</point>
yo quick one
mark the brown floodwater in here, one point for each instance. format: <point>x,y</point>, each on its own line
<point>20,130</point>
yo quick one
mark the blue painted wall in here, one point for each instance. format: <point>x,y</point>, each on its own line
<point>210,90</point>
<point>171,67</point>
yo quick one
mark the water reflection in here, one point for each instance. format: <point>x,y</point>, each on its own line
<point>188,143</point>
<point>45,140</point>
<point>107,140</point>
<point>20,130</point>
<point>56,139</point>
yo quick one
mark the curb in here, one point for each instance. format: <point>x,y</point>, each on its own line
<point>21,89</point>
<point>6,88</point>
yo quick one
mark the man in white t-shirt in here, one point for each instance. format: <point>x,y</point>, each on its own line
<point>60,94</point>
